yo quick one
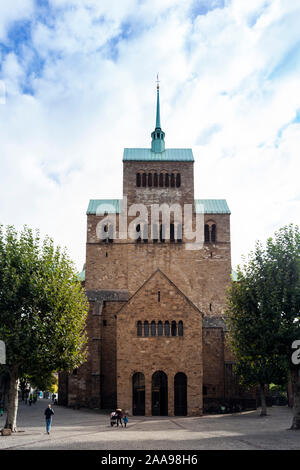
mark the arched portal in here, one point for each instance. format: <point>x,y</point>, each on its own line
<point>138,394</point>
<point>180,394</point>
<point>159,394</point>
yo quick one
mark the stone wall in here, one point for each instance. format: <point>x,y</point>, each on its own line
<point>201,274</point>
<point>160,353</point>
<point>181,195</point>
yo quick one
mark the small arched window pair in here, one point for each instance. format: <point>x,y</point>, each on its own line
<point>108,233</point>
<point>177,329</point>
<point>210,233</point>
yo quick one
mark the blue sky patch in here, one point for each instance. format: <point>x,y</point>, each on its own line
<point>254,17</point>
<point>19,35</point>
<point>289,62</point>
<point>295,120</point>
<point>128,30</point>
<point>297,117</point>
<point>202,7</point>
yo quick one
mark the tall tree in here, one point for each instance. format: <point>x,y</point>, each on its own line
<point>251,321</point>
<point>42,310</point>
<point>263,313</point>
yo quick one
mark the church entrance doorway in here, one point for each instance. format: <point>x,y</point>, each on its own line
<point>138,394</point>
<point>180,394</point>
<point>159,394</point>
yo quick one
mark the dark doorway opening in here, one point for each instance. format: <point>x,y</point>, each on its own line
<point>180,394</point>
<point>159,394</point>
<point>138,394</point>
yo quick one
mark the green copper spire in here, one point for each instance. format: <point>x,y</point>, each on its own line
<point>158,136</point>
<point>157,110</point>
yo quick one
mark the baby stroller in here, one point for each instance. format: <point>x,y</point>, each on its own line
<point>113,418</point>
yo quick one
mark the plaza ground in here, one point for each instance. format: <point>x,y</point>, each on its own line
<point>90,430</point>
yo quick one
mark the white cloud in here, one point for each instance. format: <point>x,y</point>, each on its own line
<point>227,91</point>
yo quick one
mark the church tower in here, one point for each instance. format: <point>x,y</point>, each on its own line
<point>156,336</point>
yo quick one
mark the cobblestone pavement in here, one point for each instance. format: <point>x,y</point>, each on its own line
<point>90,430</point>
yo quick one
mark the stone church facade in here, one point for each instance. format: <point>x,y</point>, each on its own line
<point>156,334</point>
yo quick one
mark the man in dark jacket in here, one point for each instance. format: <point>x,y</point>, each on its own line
<point>48,413</point>
<point>119,417</point>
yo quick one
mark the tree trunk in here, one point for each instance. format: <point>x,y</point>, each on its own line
<point>263,400</point>
<point>295,375</point>
<point>11,419</point>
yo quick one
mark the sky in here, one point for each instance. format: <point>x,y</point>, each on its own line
<point>77,85</point>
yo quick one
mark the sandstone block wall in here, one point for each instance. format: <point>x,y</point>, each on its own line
<point>159,353</point>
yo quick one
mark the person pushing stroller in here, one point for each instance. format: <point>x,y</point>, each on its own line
<point>119,416</point>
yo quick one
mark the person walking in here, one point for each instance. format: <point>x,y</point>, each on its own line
<point>48,413</point>
<point>125,420</point>
<point>119,417</point>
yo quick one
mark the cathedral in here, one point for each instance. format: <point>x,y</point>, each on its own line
<point>156,332</point>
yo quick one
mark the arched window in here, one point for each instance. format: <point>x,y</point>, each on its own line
<point>213,233</point>
<point>167,328</point>
<point>153,328</point>
<point>162,233</point>
<point>161,180</point>
<point>174,328</point>
<point>178,180</point>
<point>150,180</point>
<point>206,233</point>
<point>138,231</point>
<point>180,328</point>
<point>172,180</point>
<point>155,180</point>
<point>144,180</point>
<point>139,328</point>
<point>167,180</point>
<point>146,328</point>
<point>160,328</point>
<point>172,233</point>
<point>138,180</point>
<point>105,234</point>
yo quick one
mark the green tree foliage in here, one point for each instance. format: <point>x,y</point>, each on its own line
<point>263,313</point>
<point>42,310</point>
<point>46,382</point>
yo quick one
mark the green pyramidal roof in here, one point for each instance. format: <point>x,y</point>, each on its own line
<point>168,155</point>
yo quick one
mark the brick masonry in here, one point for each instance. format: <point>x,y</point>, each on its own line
<point>122,283</point>
<point>159,353</point>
